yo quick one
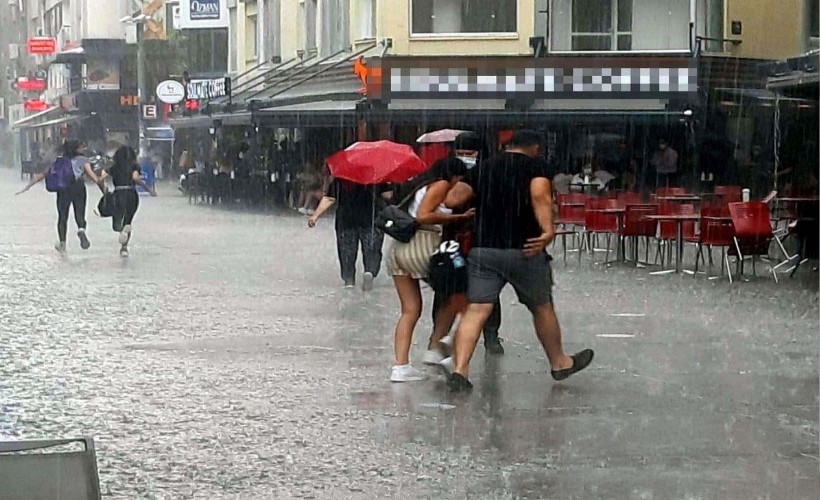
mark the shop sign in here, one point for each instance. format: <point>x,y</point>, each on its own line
<point>41,45</point>
<point>35,105</point>
<point>208,89</point>
<point>129,100</point>
<point>149,111</point>
<point>103,74</point>
<point>30,85</point>
<point>196,14</point>
<point>542,78</point>
<point>170,92</point>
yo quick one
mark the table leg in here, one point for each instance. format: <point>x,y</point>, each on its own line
<point>679,245</point>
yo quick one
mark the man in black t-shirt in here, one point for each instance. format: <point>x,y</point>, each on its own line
<point>357,207</point>
<point>512,195</point>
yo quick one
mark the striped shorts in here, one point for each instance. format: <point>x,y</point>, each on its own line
<point>413,258</point>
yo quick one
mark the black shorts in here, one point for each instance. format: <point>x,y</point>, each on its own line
<point>490,270</point>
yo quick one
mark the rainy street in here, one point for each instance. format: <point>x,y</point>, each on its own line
<point>224,360</point>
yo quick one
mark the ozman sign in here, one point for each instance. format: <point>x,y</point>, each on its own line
<point>204,9</point>
<point>207,89</point>
<point>194,14</point>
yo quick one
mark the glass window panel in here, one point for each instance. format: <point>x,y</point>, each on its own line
<point>592,16</point>
<point>464,16</point>
<point>624,42</point>
<point>624,15</point>
<point>591,42</point>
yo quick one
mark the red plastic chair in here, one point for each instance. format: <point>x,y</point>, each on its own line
<point>714,232</point>
<point>636,225</point>
<point>753,231</point>
<point>596,222</point>
<point>629,198</point>
<point>729,194</point>
<point>570,218</point>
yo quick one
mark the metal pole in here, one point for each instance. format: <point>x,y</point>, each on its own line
<point>141,92</point>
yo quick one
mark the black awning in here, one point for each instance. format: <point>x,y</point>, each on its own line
<point>196,121</point>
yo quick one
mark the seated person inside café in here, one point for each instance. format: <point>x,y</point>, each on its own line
<point>596,180</point>
<point>312,184</point>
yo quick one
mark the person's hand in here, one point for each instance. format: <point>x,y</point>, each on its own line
<point>469,214</point>
<point>312,222</point>
<point>535,246</point>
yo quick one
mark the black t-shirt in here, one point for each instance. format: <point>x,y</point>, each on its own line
<point>121,174</point>
<point>504,212</point>
<point>356,204</point>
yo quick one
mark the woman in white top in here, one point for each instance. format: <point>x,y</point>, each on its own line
<point>409,262</point>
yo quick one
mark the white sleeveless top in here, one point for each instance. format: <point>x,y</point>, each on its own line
<point>413,209</point>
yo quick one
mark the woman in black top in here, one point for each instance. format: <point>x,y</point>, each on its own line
<point>125,174</point>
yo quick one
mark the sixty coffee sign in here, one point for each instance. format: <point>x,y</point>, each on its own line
<point>196,14</point>
<point>207,89</point>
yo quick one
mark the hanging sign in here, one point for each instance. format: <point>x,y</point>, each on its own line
<point>170,92</point>
<point>208,89</point>
<point>196,14</point>
<point>35,105</point>
<point>41,45</point>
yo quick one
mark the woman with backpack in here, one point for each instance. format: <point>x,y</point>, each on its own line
<point>125,174</point>
<point>409,263</point>
<point>66,178</point>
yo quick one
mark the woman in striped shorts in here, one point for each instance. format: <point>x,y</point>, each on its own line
<point>409,263</point>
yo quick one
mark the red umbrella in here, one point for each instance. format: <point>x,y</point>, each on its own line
<point>376,163</point>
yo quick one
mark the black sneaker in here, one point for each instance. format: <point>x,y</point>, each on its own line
<point>84,243</point>
<point>494,347</point>
<point>458,383</point>
<point>580,361</point>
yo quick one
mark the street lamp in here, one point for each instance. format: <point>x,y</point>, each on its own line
<point>139,20</point>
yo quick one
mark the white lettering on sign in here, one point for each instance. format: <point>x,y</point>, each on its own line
<point>206,89</point>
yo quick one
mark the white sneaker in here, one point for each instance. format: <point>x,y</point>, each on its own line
<point>125,235</point>
<point>432,357</point>
<point>367,282</point>
<point>448,364</point>
<point>60,246</point>
<point>303,211</point>
<point>406,373</point>
<point>447,340</point>
<point>310,211</point>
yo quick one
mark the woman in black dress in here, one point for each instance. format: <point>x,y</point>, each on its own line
<point>125,174</point>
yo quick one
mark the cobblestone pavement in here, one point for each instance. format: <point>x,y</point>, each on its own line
<point>223,360</point>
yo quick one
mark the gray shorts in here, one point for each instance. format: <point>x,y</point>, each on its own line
<point>490,269</point>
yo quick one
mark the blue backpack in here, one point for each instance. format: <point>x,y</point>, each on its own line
<point>60,175</point>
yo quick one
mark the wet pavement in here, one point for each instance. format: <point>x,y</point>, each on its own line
<point>223,360</point>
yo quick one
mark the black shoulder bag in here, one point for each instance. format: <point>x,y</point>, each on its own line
<point>396,222</point>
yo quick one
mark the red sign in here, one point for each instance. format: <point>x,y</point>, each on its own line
<point>41,45</point>
<point>35,105</point>
<point>191,105</point>
<point>26,85</point>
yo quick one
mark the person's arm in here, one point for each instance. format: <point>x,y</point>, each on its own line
<point>323,207</point>
<point>34,180</point>
<point>541,196</point>
<point>89,171</point>
<point>137,178</point>
<point>459,196</point>
<point>435,196</point>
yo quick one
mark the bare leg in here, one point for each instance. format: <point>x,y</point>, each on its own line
<point>445,317</point>
<point>410,297</point>
<point>469,330</point>
<point>549,334</point>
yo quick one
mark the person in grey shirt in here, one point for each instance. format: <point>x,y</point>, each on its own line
<point>74,196</point>
<point>665,161</point>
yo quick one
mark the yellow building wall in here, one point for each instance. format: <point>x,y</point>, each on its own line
<point>237,34</point>
<point>290,23</point>
<point>394,22</point>
<point>772,29</point>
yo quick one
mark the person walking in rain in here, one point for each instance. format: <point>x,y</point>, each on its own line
<point>74,195</point>
<point>355,214</point>
<point>512,195</point>
<point>125,175</point>
<point>468,147</point>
